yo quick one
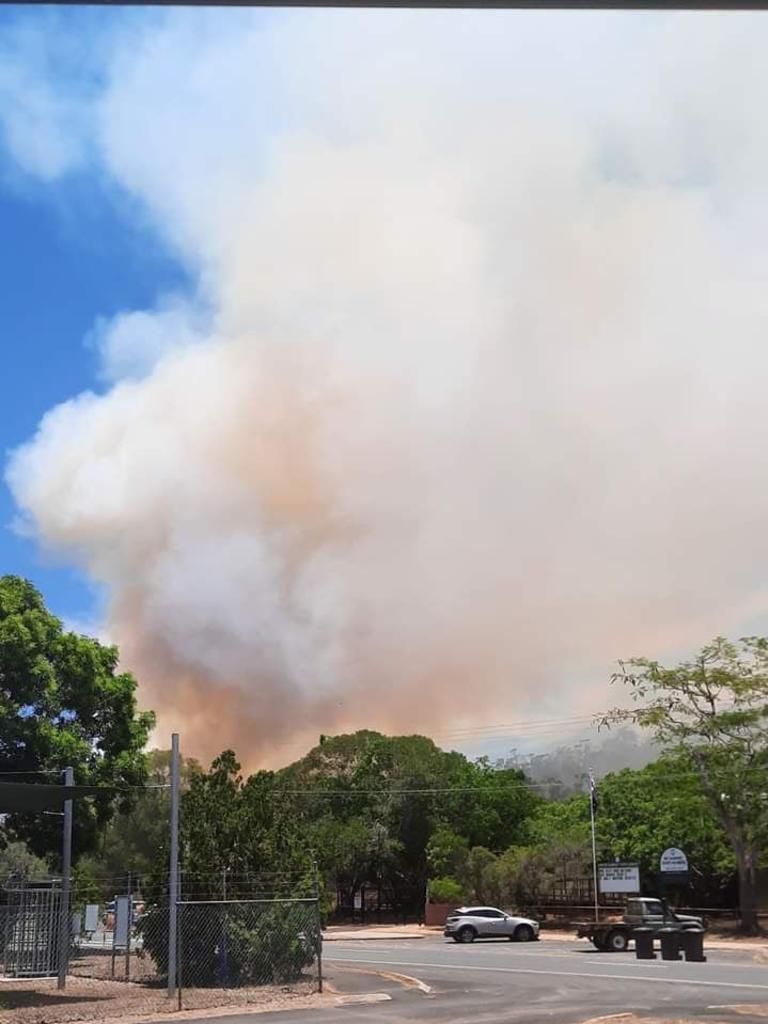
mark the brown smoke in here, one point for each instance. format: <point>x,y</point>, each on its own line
<point>470,401</point>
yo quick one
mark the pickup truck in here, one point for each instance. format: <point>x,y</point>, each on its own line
<point>648,912</point>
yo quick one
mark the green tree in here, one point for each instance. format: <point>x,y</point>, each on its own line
<point>134,844</point>
<point>447,853</point>
<point>362,808</point>
<point>446,890</point>
<point>411,789</point>
<point>18,862</point>
<point>711,713</point>
<point>644,812</point>
<point>63,702</point>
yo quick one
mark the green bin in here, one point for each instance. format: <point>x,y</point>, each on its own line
<point>643,937</point>
<point>669,939</point>
<point>692,941</point>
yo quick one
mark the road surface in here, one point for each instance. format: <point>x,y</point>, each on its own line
<point>563,981</point>
<point>499,982</point>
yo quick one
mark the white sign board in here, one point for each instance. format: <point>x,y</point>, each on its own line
<point>358,901</point>
<point>619,878</point>
<point>123,914</point>
<point>91,917</point>
<point>674,861</point>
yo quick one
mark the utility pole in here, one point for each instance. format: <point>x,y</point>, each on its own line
<point>65,923</point>
<point>173,869</point>
<point>592,797</point>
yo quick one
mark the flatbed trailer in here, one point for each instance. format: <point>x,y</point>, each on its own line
<point>611,936</point>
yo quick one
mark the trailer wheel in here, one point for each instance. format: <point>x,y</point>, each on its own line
<point>617,941</point>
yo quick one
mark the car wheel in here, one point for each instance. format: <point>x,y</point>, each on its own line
<point>524,933</point>
<point>617,942</point>
<point>466,934</point>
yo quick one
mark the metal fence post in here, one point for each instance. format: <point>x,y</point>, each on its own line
<point>173,880</point>
<point>319,926</point>
<point>179,950</point>
<point>65,923</point>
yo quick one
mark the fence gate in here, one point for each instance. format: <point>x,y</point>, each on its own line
<point>30,925</point>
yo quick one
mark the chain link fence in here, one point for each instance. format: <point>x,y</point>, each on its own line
<point>237,950</point>
<point>117,956</point>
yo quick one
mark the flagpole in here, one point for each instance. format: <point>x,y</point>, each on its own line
<point>594,843</point>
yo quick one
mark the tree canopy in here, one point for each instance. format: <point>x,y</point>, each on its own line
<point>357,809</point>
<point>711,713</point>
<point>63,702</point>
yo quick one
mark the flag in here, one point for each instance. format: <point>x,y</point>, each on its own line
<point>593,793</point>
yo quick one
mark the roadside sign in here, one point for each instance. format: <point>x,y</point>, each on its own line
<point>619,878</point>
<point>358,901</point>
<point>123,915</point>
<point>674,861</point>
<point>91,917</point>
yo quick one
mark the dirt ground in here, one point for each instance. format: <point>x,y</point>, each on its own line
<point>38,1001</point>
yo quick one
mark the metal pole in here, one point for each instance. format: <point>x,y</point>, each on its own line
<point>594,843</point>
<point>179,960</point>
<point>173,880</point>
<point>319,926</point>
<point>66,882</point>
<point>130,930</point>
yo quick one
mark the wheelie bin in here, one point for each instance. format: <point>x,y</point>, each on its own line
<point>643,943</point>
<point>669,939</point>
<point>692,942</point>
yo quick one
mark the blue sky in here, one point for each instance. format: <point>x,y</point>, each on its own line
<point>72,252</point>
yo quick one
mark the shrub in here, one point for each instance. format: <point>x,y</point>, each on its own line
<point>446,890</point>
<point>231,945</point>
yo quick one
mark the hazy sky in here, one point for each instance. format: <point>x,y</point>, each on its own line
<point>393,369</point>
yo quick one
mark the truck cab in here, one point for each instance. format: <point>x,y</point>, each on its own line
<point>653,913</point>
<point>641,911</point>
<point>646,912</point>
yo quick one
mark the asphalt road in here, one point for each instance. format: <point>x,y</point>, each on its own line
<point>503,981</point>
<point>506,983</point>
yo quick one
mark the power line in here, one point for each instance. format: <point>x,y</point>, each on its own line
<point>471,731</point>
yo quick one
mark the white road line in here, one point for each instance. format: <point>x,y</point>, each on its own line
<point>505,951</point>
<point>560,974</point>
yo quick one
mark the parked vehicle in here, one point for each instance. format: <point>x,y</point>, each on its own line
<point>469,923</point>
<point>645,912</point>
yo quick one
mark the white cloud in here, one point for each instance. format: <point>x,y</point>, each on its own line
<point>132,343</point>
<point>45,123</point>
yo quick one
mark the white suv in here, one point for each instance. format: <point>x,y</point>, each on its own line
<point>469,923</point>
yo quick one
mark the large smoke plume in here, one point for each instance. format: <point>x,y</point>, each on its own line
<point>469,400</point>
